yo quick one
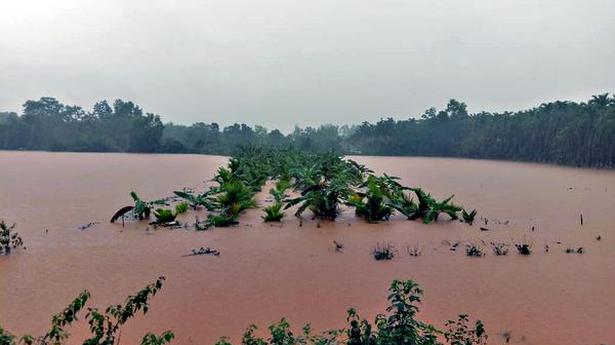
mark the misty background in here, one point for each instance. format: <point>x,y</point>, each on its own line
<point>286,63</point>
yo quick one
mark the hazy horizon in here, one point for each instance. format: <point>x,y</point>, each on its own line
<point>281,63</point>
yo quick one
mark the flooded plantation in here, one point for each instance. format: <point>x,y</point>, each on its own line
<point>530,284</point>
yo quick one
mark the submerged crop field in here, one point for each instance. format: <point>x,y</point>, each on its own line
<point>287,238</point>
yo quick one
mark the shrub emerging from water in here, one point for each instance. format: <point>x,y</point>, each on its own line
<point>460,333</point>
<point>399,326</point>
<point>164,216</point>
<point>499,248</point>
<point>474,250</point>
<point>273,213</point>
<point>182,207</point>
<point>9,239</point>
<point>384,251</point>
<point>524,248</point>
<point>468,217</point>
<point>429,209</point>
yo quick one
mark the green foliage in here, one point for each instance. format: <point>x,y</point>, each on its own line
<point>373,202</point>
<point>459,333</point>
<point>163,216</point>
<point>468,217</point>
<point>180,208</point>
<point>429,208</point>
<point>9,238</point>
<point>399,326</point>
<point>273,212</point>
<point>141,208</point>
<point>196,200</point>
<point>105,327</point>
<point>221,220</point>
<point>234,197</point>
<point>152,339</point>
<point>7,338</point>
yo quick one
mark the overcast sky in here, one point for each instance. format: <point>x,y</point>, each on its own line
<point>282,63</point>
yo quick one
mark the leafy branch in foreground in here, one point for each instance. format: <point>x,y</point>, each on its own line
<point>9,238</point>
<point>398,327</point>
<point>104,326</point>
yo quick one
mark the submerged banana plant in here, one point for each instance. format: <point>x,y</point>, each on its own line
<point>429,208</point>
<point>141,208</point>
<point>197,200</point>
<point>164,216</point>
<point>372,203</point>
<point>322,198</point>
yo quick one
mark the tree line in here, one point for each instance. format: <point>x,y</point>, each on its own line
<point>560,132</point>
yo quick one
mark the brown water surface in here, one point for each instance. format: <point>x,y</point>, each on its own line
<point>269,271</point>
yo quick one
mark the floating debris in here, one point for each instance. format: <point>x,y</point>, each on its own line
<point>483,229</point>
<point>572,250</point>
<point>203,251</point>
<point>339,247</point>
<point>84,226</point>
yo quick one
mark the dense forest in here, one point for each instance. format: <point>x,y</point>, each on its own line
<point>561,132</point>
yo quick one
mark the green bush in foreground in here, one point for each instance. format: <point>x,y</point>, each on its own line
<point>398,327</point>
<point>105,327</point>
<point>9,238</point>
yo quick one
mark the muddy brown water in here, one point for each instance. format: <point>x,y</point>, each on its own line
<point>269,271</point>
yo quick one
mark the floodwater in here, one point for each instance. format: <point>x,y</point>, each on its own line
<point>267,271</point>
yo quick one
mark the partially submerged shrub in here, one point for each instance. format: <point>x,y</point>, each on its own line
<point>9,239</point>
<point>182,207</point>
<point>384,251</point>
<point>524,248</point>
<point>273,213</point>
<point>572,250</point>
<point>414,250</point>
<point>474,250</point>
<point>468,217</point>
<point>221,220</point>
<point>499,248</point>
<point>164,216</point>
<point>460,333</point>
